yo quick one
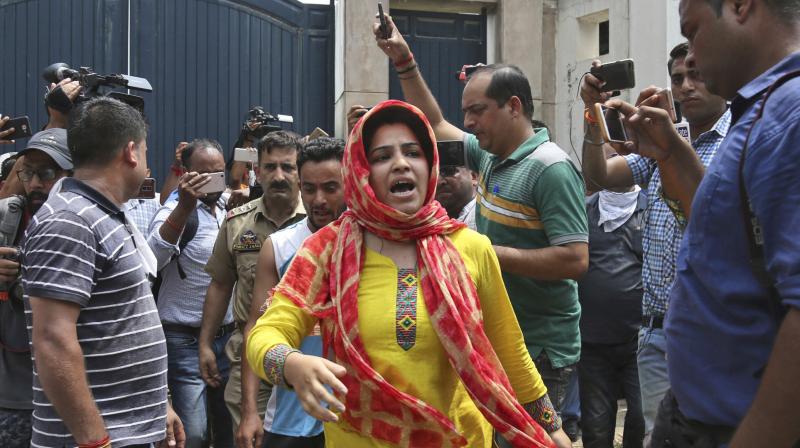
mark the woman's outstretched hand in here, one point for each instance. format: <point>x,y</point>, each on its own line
<point>309,375</point>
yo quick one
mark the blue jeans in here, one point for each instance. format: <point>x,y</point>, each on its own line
<point>653,378</point>
<point>198,405</point>
<point>608,371</point>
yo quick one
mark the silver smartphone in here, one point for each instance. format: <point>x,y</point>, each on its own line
<point>215,185</point>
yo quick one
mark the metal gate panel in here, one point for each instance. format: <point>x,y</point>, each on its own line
<point>442,43</point>
<point>36,34</point>
<point>209,61</point>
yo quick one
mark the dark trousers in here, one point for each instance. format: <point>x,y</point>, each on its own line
<point>607,372</point>
<point>672,429</point>
<point>272,440</point>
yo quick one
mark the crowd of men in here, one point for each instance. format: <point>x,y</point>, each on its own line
<point>662,271</point>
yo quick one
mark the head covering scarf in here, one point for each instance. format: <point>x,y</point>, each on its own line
<point>323,279</point>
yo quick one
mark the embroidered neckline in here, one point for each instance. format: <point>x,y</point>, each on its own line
<point>406,308</point>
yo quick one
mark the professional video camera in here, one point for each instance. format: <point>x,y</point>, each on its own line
<point>259,123</point>
<point>91,84</point>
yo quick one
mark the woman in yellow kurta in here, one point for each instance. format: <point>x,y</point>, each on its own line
<point>422,344</point>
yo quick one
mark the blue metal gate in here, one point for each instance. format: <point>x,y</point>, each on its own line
<point>441,43</point>
<point>208,61</point>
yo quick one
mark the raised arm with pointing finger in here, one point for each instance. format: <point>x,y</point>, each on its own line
<point>414,88</point>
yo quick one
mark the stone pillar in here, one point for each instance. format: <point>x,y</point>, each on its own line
<point>520,39</point>
<point>362,71</point>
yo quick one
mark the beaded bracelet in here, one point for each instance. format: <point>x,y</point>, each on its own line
<point>274,362</point>
<point>544,413</point>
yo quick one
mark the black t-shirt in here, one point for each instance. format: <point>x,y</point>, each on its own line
<point>611,291</point>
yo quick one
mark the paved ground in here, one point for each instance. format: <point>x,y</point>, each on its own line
<point>622,408</point>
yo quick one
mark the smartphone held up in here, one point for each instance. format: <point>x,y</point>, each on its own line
<point>384,28</point>
<point>216,184</point>
<point>611,126</point>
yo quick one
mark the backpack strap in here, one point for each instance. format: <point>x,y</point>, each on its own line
<point>189,232</point>
<point>753,229</point>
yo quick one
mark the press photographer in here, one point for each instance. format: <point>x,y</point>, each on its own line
<point>46,160</point>
<point>242,179</point>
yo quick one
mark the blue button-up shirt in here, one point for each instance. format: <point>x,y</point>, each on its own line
<point>719,327</point>
<point>662,234</point>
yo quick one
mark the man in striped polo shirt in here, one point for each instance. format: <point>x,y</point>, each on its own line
<point>100,359</point>
<point>530,203</point>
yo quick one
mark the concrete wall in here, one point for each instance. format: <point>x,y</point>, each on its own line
<point>362,70</point>
<point>552,41</point>
<point>643,30</point>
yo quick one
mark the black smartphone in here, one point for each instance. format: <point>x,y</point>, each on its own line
<point>22,128</point>
<point>148,189</point>
<point>618,75</point>
<point>384,27</point>
<point>451,153</point>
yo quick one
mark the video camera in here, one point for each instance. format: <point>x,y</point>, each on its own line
<point>92,83</point>
<point>259,123</point>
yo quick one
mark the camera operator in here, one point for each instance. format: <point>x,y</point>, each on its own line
<point>46,159</point>
<point>59,100</point>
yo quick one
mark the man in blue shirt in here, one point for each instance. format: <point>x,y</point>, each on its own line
<point>708,121</point>
<point>732,335</point>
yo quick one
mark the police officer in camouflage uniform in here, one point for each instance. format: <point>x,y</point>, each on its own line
<point>46,160</point>
<point>234,262</point>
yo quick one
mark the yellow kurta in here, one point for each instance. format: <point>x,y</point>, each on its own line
<point>424,370</point>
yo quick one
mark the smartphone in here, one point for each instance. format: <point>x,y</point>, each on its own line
<point>451,153</point>
<point>246,155</point>
<point>666,95</point>
<point>618,75</point>
<point>384,27</point>
<point>215,185</point>
<point>611,124</point>
<point>148,189</point>
<point>22,128</point>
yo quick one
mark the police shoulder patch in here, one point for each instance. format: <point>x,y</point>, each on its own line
<point>241,209</point>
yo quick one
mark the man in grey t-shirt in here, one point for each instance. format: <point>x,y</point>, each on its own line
<point>100,360</point>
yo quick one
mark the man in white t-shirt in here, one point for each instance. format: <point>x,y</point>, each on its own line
<point>322,191</point>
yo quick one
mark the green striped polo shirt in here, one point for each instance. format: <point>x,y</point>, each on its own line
<point>534,199</point>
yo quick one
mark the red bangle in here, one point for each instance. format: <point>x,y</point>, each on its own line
<point>176,170</point>
<point>405,61</point>
<point>174,226</point>
<point>102,443</point>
